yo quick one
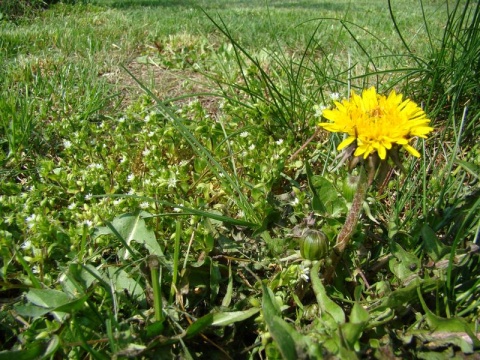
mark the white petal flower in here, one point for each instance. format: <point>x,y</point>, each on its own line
<point>244,134</point>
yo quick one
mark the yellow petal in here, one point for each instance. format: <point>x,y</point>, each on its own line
<point>382,152</point>
<point>411,150</point>
<point>346,142</point>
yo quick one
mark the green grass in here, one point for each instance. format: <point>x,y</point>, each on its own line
<point>160,162</point>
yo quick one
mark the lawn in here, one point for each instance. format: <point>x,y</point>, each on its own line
<point>167,192</point>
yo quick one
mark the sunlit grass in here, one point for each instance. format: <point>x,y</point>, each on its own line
<point>171,222</point>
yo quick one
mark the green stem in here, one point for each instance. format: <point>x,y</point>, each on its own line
<point>154,266</point>
<point>348,228</point>
<point>176,255</point>
<point>36,284</point>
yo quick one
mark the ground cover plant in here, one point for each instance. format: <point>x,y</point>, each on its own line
<point>215,179</point>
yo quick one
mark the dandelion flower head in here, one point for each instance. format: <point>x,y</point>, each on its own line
<point>377,122</point>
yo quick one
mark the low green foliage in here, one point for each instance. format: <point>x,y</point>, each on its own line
<point>170,224</point>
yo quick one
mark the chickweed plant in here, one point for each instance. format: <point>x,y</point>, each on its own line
<point>314,200</point>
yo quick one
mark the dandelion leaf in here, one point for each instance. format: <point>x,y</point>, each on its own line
<point>132,227</point>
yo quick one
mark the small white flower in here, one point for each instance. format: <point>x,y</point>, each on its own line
<point>172,182</point>
<point>131,192</point>
<point>26,245</point>
<point>87,223</point>
<point>147,118</point>
<point>123,160</point>
<point>304,273</point>
<point>177,209</point>
<point>151,134</point>
<point>117,202</point>
<point>144,205</point>
<point>121,120</point>
<point>35,269</point>
<point>335,96</point>
<point>31,220</point>
<point>251,147</point>
<point>95,166</point>
<point>295,202</point>
<point>279,142</point>
<point>244,134</point>
<point>67,144</point>
<point>89,196</point>
<point>146,152</point>
<point>130,177</point>
<point>318,110</point>
<point>72,206</point>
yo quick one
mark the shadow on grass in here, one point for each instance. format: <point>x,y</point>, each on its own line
<point>221,4</point>
<point>124,4</point>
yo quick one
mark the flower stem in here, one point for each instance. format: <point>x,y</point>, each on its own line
<point>346,232</point>
<point>154,265</point>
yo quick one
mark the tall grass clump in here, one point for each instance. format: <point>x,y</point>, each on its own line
<point>446,75</point>
<point>278,87</point>
<point>445,78</point>
<point>18,9</point>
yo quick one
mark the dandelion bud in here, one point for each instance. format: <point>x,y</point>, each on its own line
<point>349,187</point>
<point>313,245</point>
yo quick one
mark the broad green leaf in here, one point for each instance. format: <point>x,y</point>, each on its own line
<point>433,247</point>
<point>317,204</point>
<point>132,227</point>
<point>408,294</point>
<point>290,343</point>
<point>123,282</point>
<point>78,278</point>
<point>352,331</point>
<point>72,305</point>
<point>438,340</point>
<point>30,310</point>
<point>52,347</point>
<point>404,264</point>
<point>198,326</point>
<point>359,315</point>
<point>227,318</point>
<point>326,199</point>
<point>43,301</point>
<point>450,325</point>
<point>33,351</point>
<point>327,305</point>
<point>47,298</point>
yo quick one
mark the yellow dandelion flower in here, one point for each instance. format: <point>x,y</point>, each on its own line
<point>377,122</point>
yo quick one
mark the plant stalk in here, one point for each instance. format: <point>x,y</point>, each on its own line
<point>346,232</point>
<point>154,265</point>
